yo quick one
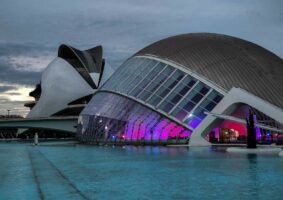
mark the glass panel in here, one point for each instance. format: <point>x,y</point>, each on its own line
<point>194,122</point>
<point>117,73</point>
<point>137,75</point>
<point>199,112</point>
<point>215,96</point>
<point>110,118</point>
<point>179,113</point>
<point>204,90</point>
<point>188,82</point>
<point>167,87</point>
<point>166,106</point>
<point>148,78</point>
<point>156,82</point>
<point>178,93</point>
<point>132,73</point>
<point>184,107</point>
<point>174,98</point>
<point>194,95</point>
<point>152,81</point>
<point>208,104</point>
<point>127,71</point>
<point>154,100</point>
<point>160,79</point>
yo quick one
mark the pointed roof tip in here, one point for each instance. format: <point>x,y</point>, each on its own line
<point>65,47</point>
<point>98,48</point>
<point>91,59</point>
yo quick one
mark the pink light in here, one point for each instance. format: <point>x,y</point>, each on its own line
<point>135,132</point>
<point>185,134</point>
<point>158,129</point>
<point>165,130</point>
<point>241,128</point>
<point>173,130</point>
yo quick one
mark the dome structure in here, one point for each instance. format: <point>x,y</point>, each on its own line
<point>193,87</point>
<point>226,61</point>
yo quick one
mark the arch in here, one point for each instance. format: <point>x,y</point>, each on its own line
<point>85,62</point>
<point>225,106</point>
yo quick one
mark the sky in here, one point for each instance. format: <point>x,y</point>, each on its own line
<point>32,30</point>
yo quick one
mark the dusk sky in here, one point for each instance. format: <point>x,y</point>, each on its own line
<point>32,30</point>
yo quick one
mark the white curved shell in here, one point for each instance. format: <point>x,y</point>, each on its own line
<point>61,84</point>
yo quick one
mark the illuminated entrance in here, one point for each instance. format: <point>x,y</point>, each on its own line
<point>232,129</point>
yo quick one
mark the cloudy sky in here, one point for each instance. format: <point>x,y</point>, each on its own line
<point>32,30</point>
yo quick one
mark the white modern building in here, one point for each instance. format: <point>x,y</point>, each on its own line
<point>68,82</point>
<point>195,88</point>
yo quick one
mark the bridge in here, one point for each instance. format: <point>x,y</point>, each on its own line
<point>67,124</point>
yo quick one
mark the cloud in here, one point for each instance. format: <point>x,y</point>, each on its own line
<point>5,88</point>
<point>31,30</point>
<point>9,74</point>
<point>24,63</point>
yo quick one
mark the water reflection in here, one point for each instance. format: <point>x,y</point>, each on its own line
<point>252,175</point>
<point>148,172</point>
<point>157,150</point>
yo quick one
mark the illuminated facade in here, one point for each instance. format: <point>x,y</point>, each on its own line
<point>192,88</point>
<point>166,93</point>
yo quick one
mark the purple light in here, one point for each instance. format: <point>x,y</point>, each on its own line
<point>257,129</point>
<point>151,122</point>
<point>185,134</point>
<point>142,131</point>
<point>216,133</point>
<point>129,130</point>
<point>194,122</point>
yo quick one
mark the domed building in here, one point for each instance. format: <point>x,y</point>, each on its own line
<point>196,88</point>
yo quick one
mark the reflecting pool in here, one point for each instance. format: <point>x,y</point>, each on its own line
<point>72,171</point>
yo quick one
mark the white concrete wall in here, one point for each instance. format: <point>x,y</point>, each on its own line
<point>60,84</point>
<point>226,106</point>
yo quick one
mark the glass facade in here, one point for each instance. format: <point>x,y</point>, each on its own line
<point>112,118</point>
<point>166,88</point>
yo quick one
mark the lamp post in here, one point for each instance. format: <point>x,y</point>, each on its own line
<point>8,112</point>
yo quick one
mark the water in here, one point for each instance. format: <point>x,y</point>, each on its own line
<point>69,171</point>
